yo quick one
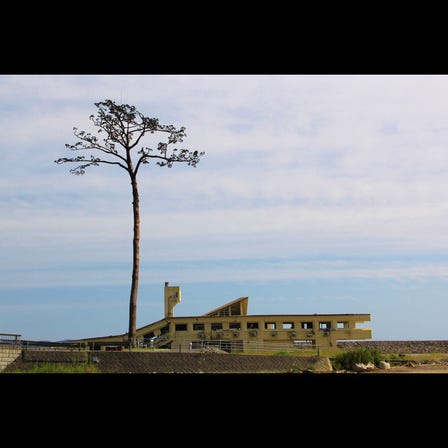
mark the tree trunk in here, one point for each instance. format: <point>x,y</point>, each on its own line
<point>135,265</point>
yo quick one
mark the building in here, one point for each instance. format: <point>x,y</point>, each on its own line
<point>230,328</point>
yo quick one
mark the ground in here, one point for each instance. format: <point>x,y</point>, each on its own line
<point>417,368</point>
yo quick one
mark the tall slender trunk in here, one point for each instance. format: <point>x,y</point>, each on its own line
<point>135,264</point>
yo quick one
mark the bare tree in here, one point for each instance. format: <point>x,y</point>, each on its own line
<point>124,127</point>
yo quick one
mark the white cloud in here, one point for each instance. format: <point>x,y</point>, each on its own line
<point>293,165</point>
<point>222,270</point>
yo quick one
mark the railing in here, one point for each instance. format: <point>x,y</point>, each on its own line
<point>10,340</point>
<point>49,345</point>
<point>255,347</point>
<point>71,346</point>
<point>13,341</point>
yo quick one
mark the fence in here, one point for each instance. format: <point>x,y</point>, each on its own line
<point>10,340</point>
<point>254,347</point>
<point>49,345</point>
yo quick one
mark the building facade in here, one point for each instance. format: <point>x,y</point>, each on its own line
<point>230,328</point>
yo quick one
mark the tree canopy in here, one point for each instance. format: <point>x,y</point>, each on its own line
<point>125,126</point>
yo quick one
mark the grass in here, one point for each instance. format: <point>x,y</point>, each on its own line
<point>433,356</point>
<point>54,367</point>
<point>292,352</point>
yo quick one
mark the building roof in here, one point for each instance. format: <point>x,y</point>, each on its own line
<point>237,307</point>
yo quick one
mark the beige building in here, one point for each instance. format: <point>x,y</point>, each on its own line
<point>230,328</point>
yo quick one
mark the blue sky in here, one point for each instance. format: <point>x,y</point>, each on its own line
<point>317,194</point>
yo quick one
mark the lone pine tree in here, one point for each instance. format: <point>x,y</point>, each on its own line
<point>124,127</point>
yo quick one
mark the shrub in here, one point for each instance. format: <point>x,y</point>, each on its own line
<point>346,360</point>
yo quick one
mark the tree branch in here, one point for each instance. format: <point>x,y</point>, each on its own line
<point>81,169</point>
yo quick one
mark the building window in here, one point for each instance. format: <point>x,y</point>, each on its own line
<point>216,326</point>
<point>252,325</point>
<point>235,326</point>
<point>198,327</point>
<point>306,325</point>
<point>324,325</point>
<point>181,327</point>
<point>288,325</point>
<point>270,325</point>
<point>342,325</point>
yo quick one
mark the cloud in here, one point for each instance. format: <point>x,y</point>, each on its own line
<point>294,165</point>
<point>183,271</point>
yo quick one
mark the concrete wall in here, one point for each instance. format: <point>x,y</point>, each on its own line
<point>172,362</point>
<point>8,355</point>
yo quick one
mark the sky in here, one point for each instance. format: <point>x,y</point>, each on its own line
<point>316,194</point>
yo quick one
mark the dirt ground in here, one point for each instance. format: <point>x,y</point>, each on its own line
<point>415,368</point>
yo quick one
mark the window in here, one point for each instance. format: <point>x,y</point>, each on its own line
<point>252,325</point>
<point>342,325</point>
<point>307,325</point>
<point>198,327</point>
<point>270,325</point>
<point>235,326</point>
<point>216,326</point>
<point>181,327</point>
<point>288,325</point>
<point>324,325</point>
